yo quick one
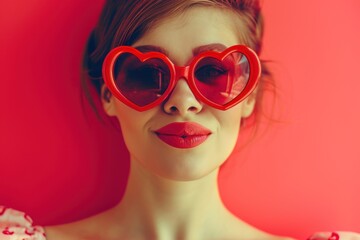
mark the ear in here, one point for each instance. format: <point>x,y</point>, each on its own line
<point>107,101</point>
<point>249,104</point>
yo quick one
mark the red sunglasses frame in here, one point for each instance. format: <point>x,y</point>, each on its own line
<point>177,72</point>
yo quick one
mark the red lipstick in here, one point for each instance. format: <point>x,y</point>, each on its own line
<point>183,134</point>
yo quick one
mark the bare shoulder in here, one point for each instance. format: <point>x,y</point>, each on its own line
<point>266,236</point>
<point>57,232</point>
<point>85,229</point>
<point>281,238</point>
<point>243,230</point>
<point>69,231</point>
<point>260,235</point>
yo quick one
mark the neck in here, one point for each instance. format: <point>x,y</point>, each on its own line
<point>168,209</point>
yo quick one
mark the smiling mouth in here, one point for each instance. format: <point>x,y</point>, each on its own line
<point>183,134</point>
<point>183,141</point>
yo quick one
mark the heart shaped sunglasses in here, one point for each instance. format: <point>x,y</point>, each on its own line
<point>218,79</point>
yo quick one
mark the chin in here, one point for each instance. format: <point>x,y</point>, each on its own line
<point>179,164</point>
<point>181,176</point>
<point>185,168</point>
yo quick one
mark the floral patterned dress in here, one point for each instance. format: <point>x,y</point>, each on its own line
<point>16,225</point>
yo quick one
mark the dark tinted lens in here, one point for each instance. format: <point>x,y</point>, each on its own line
<point>222,81</point>
<point>141,82</point>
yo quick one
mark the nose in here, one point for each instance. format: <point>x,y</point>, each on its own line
<point>181,100</point>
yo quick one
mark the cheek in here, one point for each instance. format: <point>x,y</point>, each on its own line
<point>230,120</point>
<point>229,134</point>
<point>229,128</point>
<point>132,122</point>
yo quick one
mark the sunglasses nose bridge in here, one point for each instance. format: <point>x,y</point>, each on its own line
<point>181,72</point>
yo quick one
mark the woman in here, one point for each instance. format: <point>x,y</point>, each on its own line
<point>180,125</point>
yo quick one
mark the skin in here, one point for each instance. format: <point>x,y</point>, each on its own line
<point>173,193</point>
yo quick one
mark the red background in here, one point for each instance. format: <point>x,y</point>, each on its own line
<point>59,164</point>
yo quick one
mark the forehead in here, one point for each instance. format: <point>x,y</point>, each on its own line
<point>196,29</point>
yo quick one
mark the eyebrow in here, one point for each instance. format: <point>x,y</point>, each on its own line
<point>209,47</point>
<point>151,48</point>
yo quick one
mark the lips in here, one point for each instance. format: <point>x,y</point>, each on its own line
<point>183,134</point>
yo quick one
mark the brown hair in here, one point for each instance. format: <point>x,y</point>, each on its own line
<point>123,22</point>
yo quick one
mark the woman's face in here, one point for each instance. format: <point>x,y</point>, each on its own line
<point>181,36</point>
